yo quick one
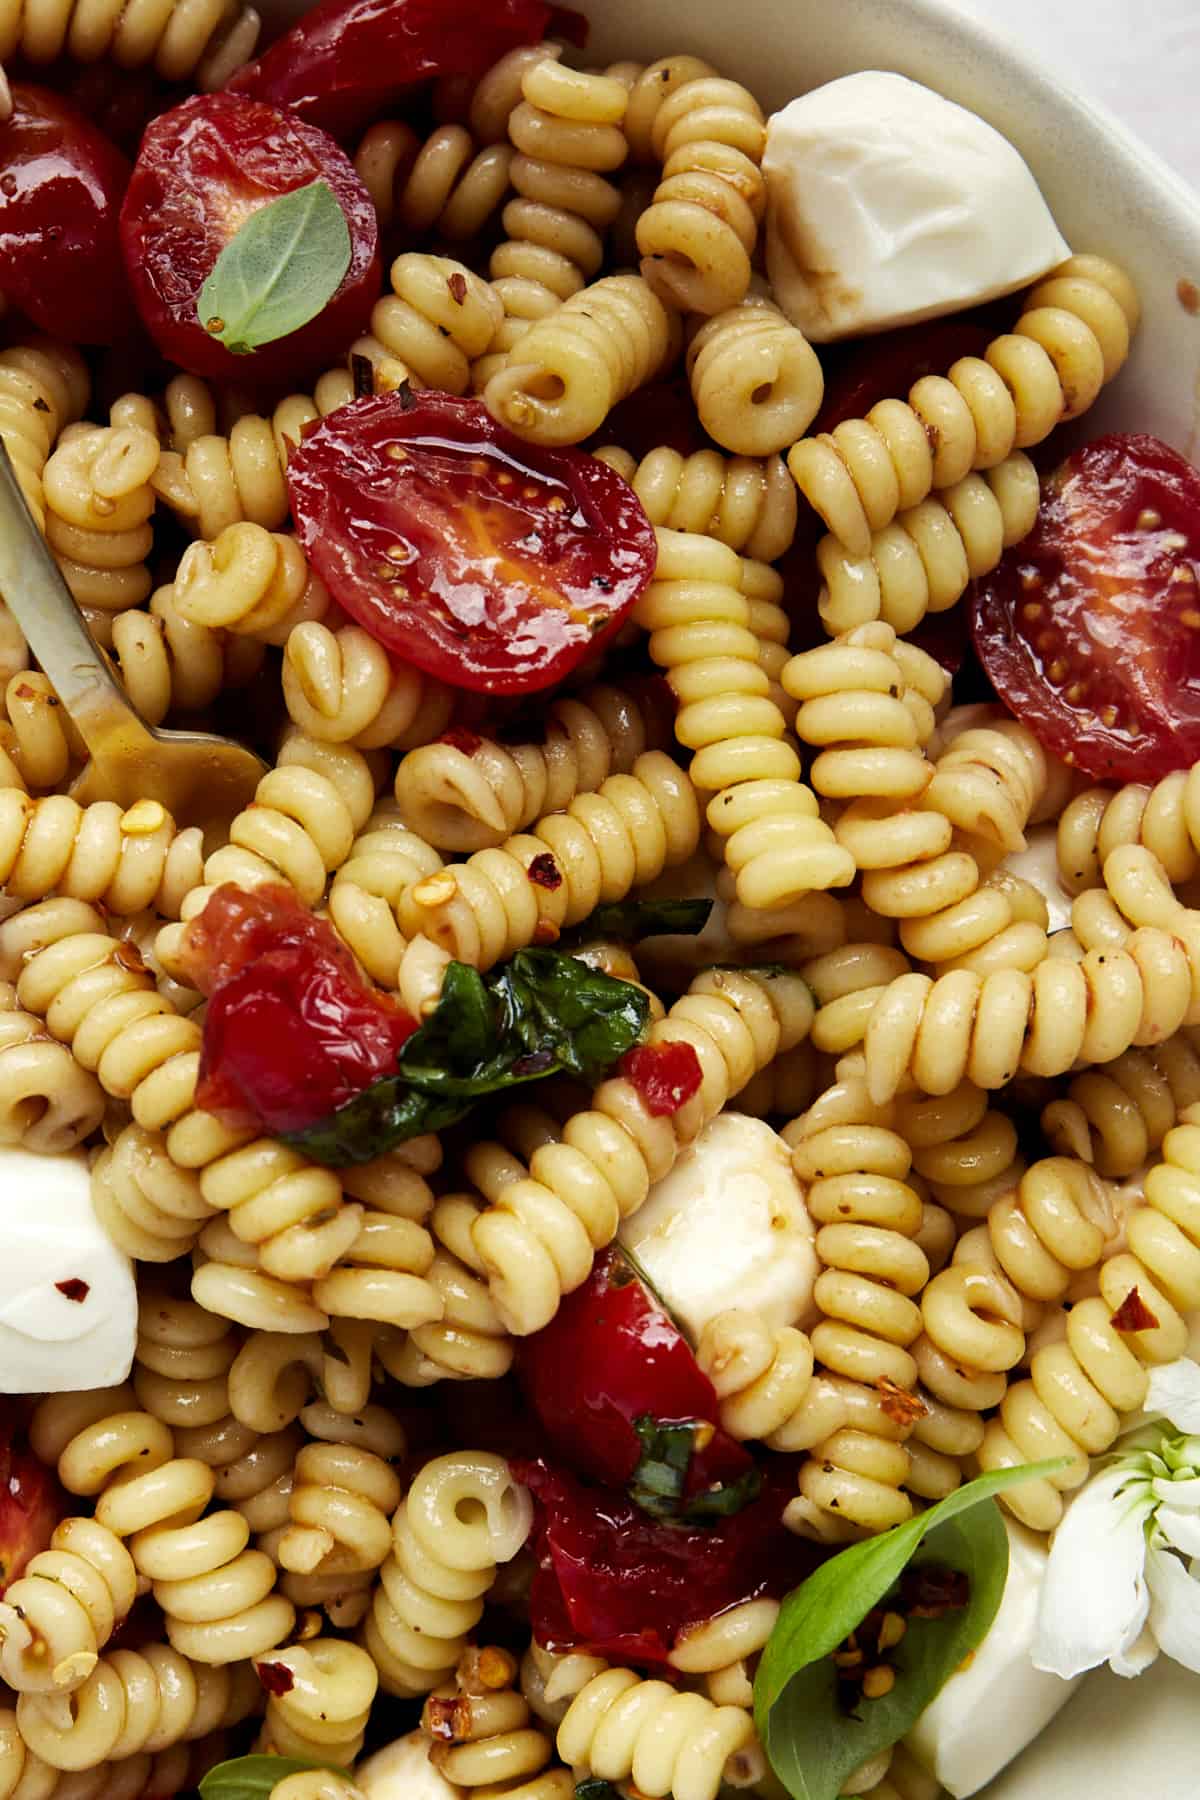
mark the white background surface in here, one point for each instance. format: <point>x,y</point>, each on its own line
<point>1140,58</point>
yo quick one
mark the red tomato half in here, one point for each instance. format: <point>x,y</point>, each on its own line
<point>61,185</point>
<point>203,169</point>
<point>1090,629</point>
<point>479,558</point>
<point>346,59</point>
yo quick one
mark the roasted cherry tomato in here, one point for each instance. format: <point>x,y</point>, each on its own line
<point>292,1030</point>
<point>61,186</point>
<point>203,168</point>
<point>1090,629</point>
<point>620,1584</point>
<point>612,1357</point>
<point>31,1501</point>
<point>479,558</point>
<point>346,59</point>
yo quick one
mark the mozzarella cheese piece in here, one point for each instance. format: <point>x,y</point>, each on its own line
<point>1038,864</point>
<point>402,1771</point>
<point>990,1710</point>
<point>68,1300</point>
<point>888,204</point>
<point>729,1227</point>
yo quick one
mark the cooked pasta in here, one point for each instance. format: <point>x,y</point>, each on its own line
<point>1116,1117</point>
<point>124,861</point>
<point>746,502</point>
<point>1072,338</point>
<point>250,582</point>
<point>479,1733</point>
<point>1165,818</point>
<point>44,387</point>
<point>446,185</point>
<point>324,1708</point>
<point>438,318</point>
<point>866,702</point>
<point>670,1743</point>
<point>98,505</point>
<point>209,43</point>
<point>755,379</point>
<point>47,1102</point>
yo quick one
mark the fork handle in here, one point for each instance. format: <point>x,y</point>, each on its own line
<point>45,609</point>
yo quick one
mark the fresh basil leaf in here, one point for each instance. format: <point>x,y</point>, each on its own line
<point>593,1788</point>
<point>278,270</point>
<point>657,1483</point>
<point>253,1777</point>
<point>804,1730</point>
<point>819,1731</point>
<point>542,1013</point>
<point>628,920</point>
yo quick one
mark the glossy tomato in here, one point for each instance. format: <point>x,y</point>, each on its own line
<point>1090,629</point>
<point>292,1031</point>
<point>61,187</point>
<point>479,558</point>
<point>203,169</point>
<point>345,59</point>
<point>609,1358</point>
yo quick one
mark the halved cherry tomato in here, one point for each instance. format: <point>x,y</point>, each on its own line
<point>61,186</point>
<point>1090,629</point>
<point>610,1357</point>
<point>292,1030</point>
<point>620,1584</point>
<point>203,168</point>
<point>479,558</point>
<point>345,59</point>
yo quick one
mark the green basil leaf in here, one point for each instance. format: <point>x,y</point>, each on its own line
<point>628,920</point>
<point>542,1013</point>
<point>796,1703</point>
<point>278,270</point>
<point>253,1777</point>
<point>818,1733</point>
<point>593,1788</point>
<point>658,1481</point>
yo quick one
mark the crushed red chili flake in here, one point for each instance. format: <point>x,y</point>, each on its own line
<point>74,1288</point>
<point>1133,1314</point>
<point>446,1719</point>
<point>665,1075</point>
<point>275,1677</point>
<point>457,284</point>
<point>545,872</point>
<point>928,1590</point>
<point>459,738</point>
<point>901,1407</point>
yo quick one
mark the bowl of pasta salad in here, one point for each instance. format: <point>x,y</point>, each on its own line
<point>631,1226</point>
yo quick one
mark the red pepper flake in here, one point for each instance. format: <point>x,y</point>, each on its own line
<point>665,1075</point>
<point>901,1407</point>
<point>74,1289</point>
<point>544,872</point>
<point>457,284</point>
<point>275,1677</point>
<point>927,1591</point>
<point>1133,1314</point>
<point>447,1720</point>
<point>459,738</point>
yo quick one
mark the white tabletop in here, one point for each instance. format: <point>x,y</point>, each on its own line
<point>1140,58</point>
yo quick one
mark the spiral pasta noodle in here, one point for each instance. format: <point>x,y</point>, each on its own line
<point>47,1102</point>
<point>98,506</point>
<point>44,387</point>
<point>123,861</point>
<point>774,841</point>
<point>924,561</point>
<point>1072,337</point>
<point>437,320</point>
<point>765,1384</point>
<point>1116,1117</point>
<point>37,737</point>
<point>342,687</point>
<point>466,792</point>
<point>250,582</point>
<point>479,1733</point>
<point>866,703</point>
<point>868,1217</point>
<point>469,1341</point>
<point>571,367</point>
<point>62,1610</point>
<point>747,502</point>
<point>567,137</point>
<point>167,663</point>
<point>1164,818</point>
<point>430,1590</point>
<point>550,1208</point>
<point>621,1726</point>
<point>755,378</point>
<point>446,185</point>
<point>386,859</point>
<point>699,232</point>
<point>207,43</point>
<point>323,1711</point>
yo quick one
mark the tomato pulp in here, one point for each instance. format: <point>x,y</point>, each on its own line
<point>61,186</point>
<point>1090,629</point>
<point>292,1031</point>
<point>202,170</point>
<point>483,560</point>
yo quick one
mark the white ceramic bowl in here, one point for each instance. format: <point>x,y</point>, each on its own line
<point>1110,195</point>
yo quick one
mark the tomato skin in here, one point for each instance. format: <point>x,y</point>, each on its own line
<point>292,1031</point>
<point>622,1585</point>
<point>202,169</point>
<point>1090,629</point>
<point>407,506</point>
<point>31,1501</point>
<point>665,1075</point>
<point>61,187</point>
<point>609,1356</point>
<point>345,59</point>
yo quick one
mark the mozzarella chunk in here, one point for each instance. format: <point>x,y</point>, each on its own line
<point>1038,864</point>
<point>729,1227</point>
<point>998,1703</point>
<point>54,1341</point>
<point>402,1771</point>
<point>888,204</point>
